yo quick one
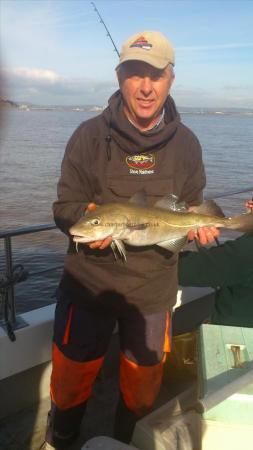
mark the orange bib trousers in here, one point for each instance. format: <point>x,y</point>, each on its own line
<point>81,340</point>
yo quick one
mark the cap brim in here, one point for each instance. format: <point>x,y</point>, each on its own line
<point>155,62</point>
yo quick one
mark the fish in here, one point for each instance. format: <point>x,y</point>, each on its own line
<point>166,224</point>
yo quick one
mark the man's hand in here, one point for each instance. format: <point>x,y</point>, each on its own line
<point>249,205</point>
<point>205,235</point>
<point>101,244</point>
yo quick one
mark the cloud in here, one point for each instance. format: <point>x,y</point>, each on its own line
<point>216,46</point>
<point>39,75</point>
<point>39,85</point>
<point>225,96</point>
<point>231,87</point>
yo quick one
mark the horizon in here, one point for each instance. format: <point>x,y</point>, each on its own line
<point>57,52</point>
<point>227,109</point>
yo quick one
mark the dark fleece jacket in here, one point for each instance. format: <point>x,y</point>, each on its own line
<point>107,159</point>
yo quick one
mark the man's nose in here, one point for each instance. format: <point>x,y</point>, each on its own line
<point>146,85</point>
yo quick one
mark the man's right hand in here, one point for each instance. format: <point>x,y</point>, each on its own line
<point>101,244</point>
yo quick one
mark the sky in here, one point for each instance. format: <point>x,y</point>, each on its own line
<point>56,52</point>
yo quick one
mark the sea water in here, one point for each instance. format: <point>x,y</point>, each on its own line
<point>31,150</point>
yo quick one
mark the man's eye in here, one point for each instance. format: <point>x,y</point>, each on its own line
<point>134,76</point>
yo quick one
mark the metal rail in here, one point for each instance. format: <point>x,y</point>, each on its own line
<point>26,230</point>
<point>14,275</point>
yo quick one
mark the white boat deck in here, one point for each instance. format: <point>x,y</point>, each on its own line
<point>25,429</point>
<point>25,373</point>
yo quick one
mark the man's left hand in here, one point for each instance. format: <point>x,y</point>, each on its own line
<point>205,235</point>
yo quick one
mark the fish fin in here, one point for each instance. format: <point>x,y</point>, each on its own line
<point>171,202</point>
<point>114,249</point>
<point>174,245</point>
<point>207,208</point>
<point>243,223</point>
<point>139,198</point>
<point>137,226</point>
<point>118,246</point>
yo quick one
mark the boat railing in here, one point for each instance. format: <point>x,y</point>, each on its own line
<point>16,273</point>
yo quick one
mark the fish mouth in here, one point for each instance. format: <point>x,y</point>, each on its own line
<point>82,239</point>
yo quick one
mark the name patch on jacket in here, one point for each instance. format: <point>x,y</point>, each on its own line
<point>141,164</point>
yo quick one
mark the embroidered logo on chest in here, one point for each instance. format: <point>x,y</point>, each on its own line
<point>141,164</point>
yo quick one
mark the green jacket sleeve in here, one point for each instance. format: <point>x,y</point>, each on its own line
<point>225,265</point>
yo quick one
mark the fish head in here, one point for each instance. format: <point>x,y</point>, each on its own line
<point>98,225</point>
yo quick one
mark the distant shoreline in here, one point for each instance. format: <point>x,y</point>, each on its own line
<point>9,104</point>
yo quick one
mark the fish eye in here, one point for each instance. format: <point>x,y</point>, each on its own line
<point>95,221</point>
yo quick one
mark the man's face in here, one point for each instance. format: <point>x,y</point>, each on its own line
<point>144,89</point>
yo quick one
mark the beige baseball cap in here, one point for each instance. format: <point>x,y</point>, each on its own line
<point>151,47</point>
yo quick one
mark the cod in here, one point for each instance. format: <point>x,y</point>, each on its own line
<point>165,224</point>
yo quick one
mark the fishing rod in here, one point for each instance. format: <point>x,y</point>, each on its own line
<point>228,193</point>
<point>107,31</point>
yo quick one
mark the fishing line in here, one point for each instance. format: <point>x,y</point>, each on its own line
<point>228,193</point>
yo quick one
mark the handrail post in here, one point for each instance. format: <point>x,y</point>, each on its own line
<point>10,293</point>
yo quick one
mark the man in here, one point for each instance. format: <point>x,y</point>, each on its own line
<point>138,142</point>
<point>228,268</point>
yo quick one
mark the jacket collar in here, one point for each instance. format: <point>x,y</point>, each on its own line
<point>130,139</point>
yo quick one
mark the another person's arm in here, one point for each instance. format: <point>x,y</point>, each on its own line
<point>224,265</point>
<point>227,264</point>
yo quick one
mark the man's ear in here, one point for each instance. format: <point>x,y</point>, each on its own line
<point>171,80</point>
<point>119,76</point>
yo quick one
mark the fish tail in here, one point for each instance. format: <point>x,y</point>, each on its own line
<point>243,223</point>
